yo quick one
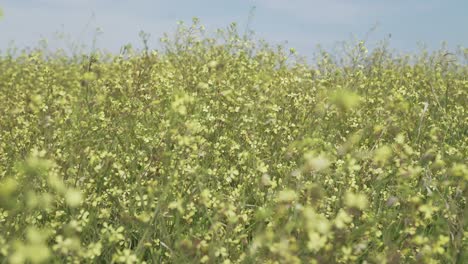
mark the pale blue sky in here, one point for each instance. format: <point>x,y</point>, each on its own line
<point>303,23</point>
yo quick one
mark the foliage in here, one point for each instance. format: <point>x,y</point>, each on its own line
<point>227,150</point>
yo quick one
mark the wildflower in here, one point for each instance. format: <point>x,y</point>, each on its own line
<point>354,200</point>
<point>287,196</point>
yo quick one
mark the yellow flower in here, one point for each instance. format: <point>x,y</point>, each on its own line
<point>354,200</point>
<point>287,196</point>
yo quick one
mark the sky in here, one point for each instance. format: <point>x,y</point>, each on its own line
<point>301,24</point>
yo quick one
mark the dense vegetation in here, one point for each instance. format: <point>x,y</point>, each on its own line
<point>227,150</point>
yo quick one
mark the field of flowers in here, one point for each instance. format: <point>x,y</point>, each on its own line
<point>227,150</point>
